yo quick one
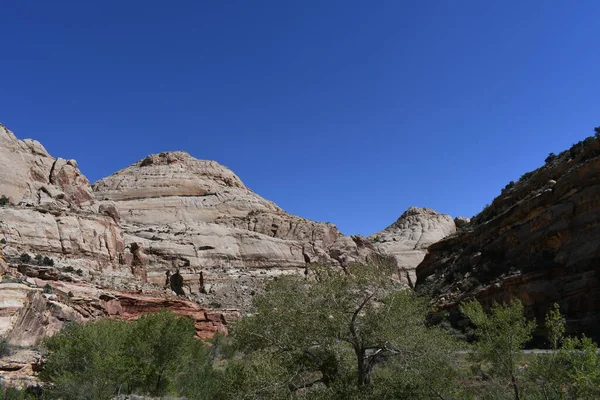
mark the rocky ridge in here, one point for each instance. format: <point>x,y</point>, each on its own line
<point>197,216</point>
<point>538,241</point>
<point>169,231</point>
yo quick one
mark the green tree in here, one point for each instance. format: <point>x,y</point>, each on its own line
<point>572,370</point>
<point>89,361</point>
<point>336,333</point>
<point>155,355</point>
<point>501,336</point>
<point>158,343</point>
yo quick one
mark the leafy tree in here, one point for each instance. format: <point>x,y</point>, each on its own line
<point>501,336</point>
<point>337,333</point>
<point>597,131</point>
<point>89,361</point>
<point>571,371</point>
<point>159,342</point>
<point>155,355</point>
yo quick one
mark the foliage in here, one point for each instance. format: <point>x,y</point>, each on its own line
<point>4,201</point>
<point>597,132</point>
<point>10,393</point>
<point>152,355</point>
<point>551,157</point>
<point>501,336</point>
<point>341,335</point>
<point>555,324</point>
<point>25,258</point>
<point>44,260</point>
<point>571,371</point>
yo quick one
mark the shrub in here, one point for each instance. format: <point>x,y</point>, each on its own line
<point>155,355</point>
<point>25,258</point>
<point>4,201</point>
<point>551,157</point>
<point>48,261</point>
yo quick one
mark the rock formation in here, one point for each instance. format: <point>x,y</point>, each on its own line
<point>196,215</point>
<point>72,253</point>
<point>539,241</point>
<point>408,238</point>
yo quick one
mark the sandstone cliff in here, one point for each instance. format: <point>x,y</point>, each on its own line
<point>539,241</point>
<point>197,216</point>
<point>169,231</point>
<point>408,238</point>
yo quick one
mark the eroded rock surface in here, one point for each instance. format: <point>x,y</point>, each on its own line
<point>197,216</point>
<point>408,238</point>
<point>539,241</point>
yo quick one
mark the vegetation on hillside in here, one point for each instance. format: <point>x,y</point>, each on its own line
<point>336,334</point>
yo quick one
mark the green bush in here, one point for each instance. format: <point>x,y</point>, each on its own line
<point>551,157</point>
<point>10,393</point>
<point>25,258</point>
<point>4,201</point>
<point>155,355</point>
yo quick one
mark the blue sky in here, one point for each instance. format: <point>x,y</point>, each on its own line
<point>340,111</point>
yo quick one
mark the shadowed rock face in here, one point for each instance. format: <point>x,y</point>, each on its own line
<point>539,241</point>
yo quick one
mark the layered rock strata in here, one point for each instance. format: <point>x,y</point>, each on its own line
<point>408,238</point>
<point>539,241</point>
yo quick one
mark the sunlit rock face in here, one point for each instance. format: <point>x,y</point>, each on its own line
<point>198,216</point>
<point>75,252</point>
<point>408,238</point>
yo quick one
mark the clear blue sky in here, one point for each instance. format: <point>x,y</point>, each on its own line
<point>340,111</point>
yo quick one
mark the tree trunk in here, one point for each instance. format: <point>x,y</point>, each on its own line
<point>515,387</point>
<point>364,378</point>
